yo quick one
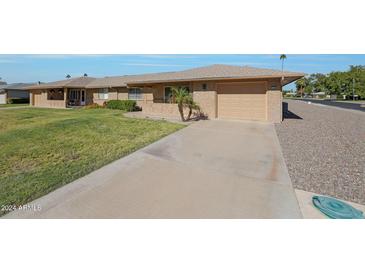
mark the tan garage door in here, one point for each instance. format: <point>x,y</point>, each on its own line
<point>242,101</point>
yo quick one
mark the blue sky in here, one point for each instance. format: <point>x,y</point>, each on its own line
<point>45,68</point>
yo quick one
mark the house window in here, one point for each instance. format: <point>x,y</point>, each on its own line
<point>55,94</point>
<point>204,86</point>
<point>135,94</point>
<point>103,94</point>
<point>74,94</point>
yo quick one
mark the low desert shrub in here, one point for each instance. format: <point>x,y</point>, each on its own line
<point>126,105</point>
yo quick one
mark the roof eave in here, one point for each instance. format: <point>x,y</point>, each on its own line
<point>107,86</point>
<point>293,78</point>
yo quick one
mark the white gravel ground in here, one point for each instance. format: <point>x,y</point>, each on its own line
<point>325,150</point>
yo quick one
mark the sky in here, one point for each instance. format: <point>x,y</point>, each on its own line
<point>45,68</point>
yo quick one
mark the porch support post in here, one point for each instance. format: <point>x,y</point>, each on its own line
<point>30,98</point>
<point>65,96</point>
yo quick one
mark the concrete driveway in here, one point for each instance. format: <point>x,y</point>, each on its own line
<point>211,169</point>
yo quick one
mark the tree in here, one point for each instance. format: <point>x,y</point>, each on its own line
<point>301,84</point>
<point>180,95</point>
<point>191,105</point>
<point>184,100</point>
<point>282,58</point>
<point>68,76</point>
<point>336,82</point>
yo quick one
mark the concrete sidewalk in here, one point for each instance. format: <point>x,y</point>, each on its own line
<point>211,169</point>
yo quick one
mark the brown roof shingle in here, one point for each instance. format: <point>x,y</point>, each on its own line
<point>215,72</point>
<point>202,73</point>
<point>79,82</point>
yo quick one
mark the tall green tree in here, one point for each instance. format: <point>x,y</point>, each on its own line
<point>336,82</point>
<point>282,58</point>
<point>301,84</point>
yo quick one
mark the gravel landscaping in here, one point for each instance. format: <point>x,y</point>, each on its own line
<point>324,149</point>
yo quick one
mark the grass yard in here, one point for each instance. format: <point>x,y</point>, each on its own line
<point>43,149</point>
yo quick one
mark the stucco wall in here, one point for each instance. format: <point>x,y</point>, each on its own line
<point>120,93</point>
<point>39,99</point>
<point>207,100</point>
<point>274,106</point>
<point>168,110</point>
<point>112,95</point>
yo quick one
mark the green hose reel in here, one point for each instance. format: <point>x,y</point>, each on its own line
<point>336,209</point>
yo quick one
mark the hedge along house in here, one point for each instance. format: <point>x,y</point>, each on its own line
<point>222,91</point>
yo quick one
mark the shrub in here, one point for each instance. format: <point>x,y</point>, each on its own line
<point>94,105</point>
<point>126,105</point>
<point>18,101</point>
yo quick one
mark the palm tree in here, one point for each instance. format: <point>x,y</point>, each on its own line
<point>181,97</point>
<point>68,76</point>
<point>184,100</point>
<point>282,58</point>
<point>191,105</point>
<point>301,84</point>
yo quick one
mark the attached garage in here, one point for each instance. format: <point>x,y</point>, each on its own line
<point>242,101</point>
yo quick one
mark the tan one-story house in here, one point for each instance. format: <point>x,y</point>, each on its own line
<point>222,91</point>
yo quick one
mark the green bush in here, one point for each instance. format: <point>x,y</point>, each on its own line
<point>126,105</point>
<point>18,101</point>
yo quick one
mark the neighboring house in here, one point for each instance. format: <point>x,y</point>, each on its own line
<point>222,91</point>
<point>14,91</point>
<point>319,94</point>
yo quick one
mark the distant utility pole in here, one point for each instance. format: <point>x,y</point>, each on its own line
<point>353,89</point>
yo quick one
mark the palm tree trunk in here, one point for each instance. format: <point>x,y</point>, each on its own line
<point>189,114</point>
<point>181,110</point>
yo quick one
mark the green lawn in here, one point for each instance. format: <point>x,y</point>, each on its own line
<point>43,149</point>
<point>13,105</point>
